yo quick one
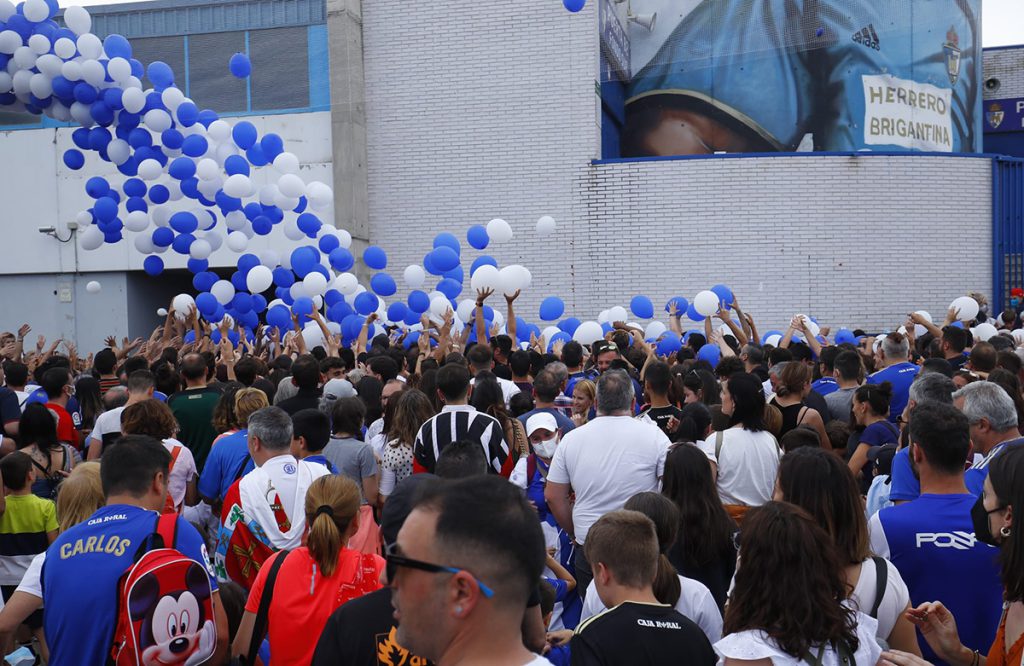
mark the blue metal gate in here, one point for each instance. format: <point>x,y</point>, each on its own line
<point>1007,229</point>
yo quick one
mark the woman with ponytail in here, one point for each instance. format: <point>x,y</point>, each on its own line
<point>313,580</point>
<point>690,597</point>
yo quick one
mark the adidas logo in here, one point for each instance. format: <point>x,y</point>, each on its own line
<point>867,36</point>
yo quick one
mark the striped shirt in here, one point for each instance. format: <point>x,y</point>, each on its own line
<point>457,422</point>
<point>24,526</point>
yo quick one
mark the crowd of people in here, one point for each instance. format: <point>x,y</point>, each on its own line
<point>814,501</point>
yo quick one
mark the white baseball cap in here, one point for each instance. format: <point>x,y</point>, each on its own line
<point>540,420</point>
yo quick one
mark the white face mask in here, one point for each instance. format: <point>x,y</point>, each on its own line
<point>546,448</point>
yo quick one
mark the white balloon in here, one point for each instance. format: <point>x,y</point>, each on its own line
<point>414,276</point>
<point>90,46</point>
<point>93,72</point>
<point>320,195</point>
<point>182,304</point>
<point>77,19</point>
<point>119,151</point>
<point>161,215</point>
<point>150,169</point>
<point>39,44</point>
<point>36,11</point>
<point>64,48</point>
<point>984,331</point>
<point>49,64</point>
<point>286,163</point>
<point>215,239</point>
<point>550,332</point>
<point>171,97</point>
<point>136,221</point>
<point>312,336</point>
<point>604,317</point>
<point>200,249</point>
<point>292,231</point>
<point>439,305</point>
<point>268,194</point>
<point>316,283</point>
<point>920,330</point>
<point>143,243</point>
<point>465,309</point>
<point>9,41</point>
<point>291,185</point>
<point>346,283</point>
<point>298,290</point>
<point>235,220</point>
<point>546,226</point>
<point>237,241</point>
<point>706,303</point>
<point>967,306</point>
<point>161,312</point>
<point>588,333</point>
<point>60,112</point>
<point>345,238</point>
<point>654,330</point>
<point>499,231</point>
<point>90,238</point>
<point>270,258</point>
<point>6,82</point>
<point>259,279</point>
<point>207,169</point>
<point>223,291</point>
<point>813,328</point>
<point>22,82</point>
<point>7,9</point>
<point>508,280</point>
<point>84,218</point>
<point>40,86</point>
<point>157,120</point>
<point>773,340</point>
<point>219,130</point>
<point>617,313</point>
<point>133,99</point>
<point>485,277</point>
<point>93,287</point>
<point>25,58</point>
<point>237,186</point>
<point>120,70</point>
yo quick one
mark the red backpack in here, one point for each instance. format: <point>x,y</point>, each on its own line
<point>168,500</point>
<point>164,605</point>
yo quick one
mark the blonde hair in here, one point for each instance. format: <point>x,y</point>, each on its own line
<point>247,402</point>
<point>329,527</point>
<point>80,495</point>
<point>587,387</point>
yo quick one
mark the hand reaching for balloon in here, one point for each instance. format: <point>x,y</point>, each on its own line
<point>482,295</point>
<point>23,331</point>
<point>952,315</point>
<point>673,309</point>
<point>510,298</point>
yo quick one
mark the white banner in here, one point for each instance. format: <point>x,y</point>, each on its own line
<point>907,114</point>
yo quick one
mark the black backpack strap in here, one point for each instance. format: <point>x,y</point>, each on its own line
<point>259,628</point>
<point>241,468</point>
<point>881,582</point>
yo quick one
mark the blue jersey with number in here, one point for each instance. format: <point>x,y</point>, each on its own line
<point>856,74</point>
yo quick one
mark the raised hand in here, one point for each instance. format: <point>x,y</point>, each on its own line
<point>482,295</point>
<point>23,331</point>
<point>511,298</point>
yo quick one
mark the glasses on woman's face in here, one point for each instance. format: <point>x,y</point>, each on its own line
<point>396,559</point>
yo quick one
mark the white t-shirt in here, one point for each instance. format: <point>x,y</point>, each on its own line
<point>756,644</point>
<point>106,423</point>
<point>695,603</point>
<point>894,599</point>
<point>747,465</point>
<point>183,471</point>
<point>31,582</point>
<point>606,462</point>
<point>508,388</point>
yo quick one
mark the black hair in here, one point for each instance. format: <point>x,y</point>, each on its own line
<point>547,597</point>
<point>955,337</point>
<point>384,366</point>
<point>519,362</point>
<point>546,386</point>
<point>943,433</point>
<point>849,365</point>
<point>747,393</point>
<point>314,426</point>
<point>659,377</point>
<point>347,416</point>
<point>131,463</point>
<point>729,366</point>
<point>37,426</point>
<point>572,354</point>
<point>480,357</point>
<point>520,404</point>
<point>246,370</point>
<point>14,468</point>
<point>779,355</point>
<point>105,361</point>
<point>827,357</point>
<point>133,364</point>
<point>54,381</point>
<point>461,459</point>
<point>453,381</point>
<point>878,397</point>
<point>16,373</point>
<point>306,372</point>
<point>800,436</point>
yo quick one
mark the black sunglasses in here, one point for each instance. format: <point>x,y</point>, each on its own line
<point>394,559</point>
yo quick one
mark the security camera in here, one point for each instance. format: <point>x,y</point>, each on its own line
<point>47,230</point>
<point>992,84</point>
<point>72,225</point>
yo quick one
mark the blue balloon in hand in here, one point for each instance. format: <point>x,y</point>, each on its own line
<point>240,65</point>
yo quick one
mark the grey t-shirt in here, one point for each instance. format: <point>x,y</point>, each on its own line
<point>839,404</point>
<point>353,458</point>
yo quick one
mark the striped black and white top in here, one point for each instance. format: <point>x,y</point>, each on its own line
<point>457,422</point>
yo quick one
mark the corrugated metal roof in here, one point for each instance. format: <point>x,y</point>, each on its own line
<point>185,17</point>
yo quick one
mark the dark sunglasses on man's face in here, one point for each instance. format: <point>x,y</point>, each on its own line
<point>394,560</point>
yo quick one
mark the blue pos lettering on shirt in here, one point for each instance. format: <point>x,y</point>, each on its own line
<point>81,573</point>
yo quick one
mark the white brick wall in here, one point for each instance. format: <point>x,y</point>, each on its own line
<point>1007,65</point>
<point>481,110</point>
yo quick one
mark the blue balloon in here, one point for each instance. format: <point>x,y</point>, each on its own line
<point>105,209</point>
<point>134,187</point>
<point>681,305</point>
<point>240,66</point>
<point>375,258</point>
<point>197,265</point>
<point>573,5</point>
<point>397,311</point>
<point>74,159</point>
<point>341,259</point>
<point>80,137</point>
<point>262,225</point>
<point>724,295</point>
<point>85,93</point>
<point>411,318</point>
<point>669,344</point>
<point>136,203</point>
<point>272,145</point>
<point>845,336</point>
<point>428,264</point>
<point>207,117</point>
<point>456,274</point>
<point>153,265</point>
<point>418,301</point>
<point>206,303</point>
<point>279,316</point>
<point>328,243</point>
<point>116,46</point>
<point>561,336</point>
<point>642,307</point>
<point>569,325</point>
<point>303,306</point>
<point>283,277</point>
<point>303,259</point>
<point>182,243</point>
<point>551,308</point>
<point>710,353</point>
<point>309,224</point>
<point>692,313</point>
<point>444,258</point>
<point>190,336</point>
<point>242,302</point>
<point>477,236</point>
<point>769,334</point>
<point>247,262</point>
<point>483,260</point>
<point>445,239</point>
<point>194,145</point>
<point>366,303</point>
<point>184,222</point>
<point>256,156</point>
<point>172,139</point>
<point>161,74</point>
<point>450,288</point>
<point>383,284</point>
<point>97,187</point>
<point>235,164</point>
<point>244,133</point>
<point>188,114</point>
<point>412,339</point>
<point>204,281</point>
<point>163,237</point>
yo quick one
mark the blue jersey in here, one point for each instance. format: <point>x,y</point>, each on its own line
<point>974,478</point>
<point>81,573</point>
<point>856,74</point>
<point>901,376</point>
<point>931,542</point>
<point>825,385</point>
<point>905,485</point>
<point>227,462</point>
